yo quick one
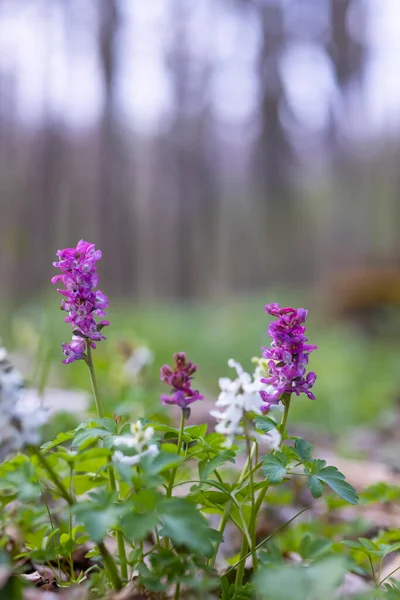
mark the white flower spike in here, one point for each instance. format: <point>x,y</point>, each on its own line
<point>21,417</point>
<point>139,441</point>
<point>238,396</point>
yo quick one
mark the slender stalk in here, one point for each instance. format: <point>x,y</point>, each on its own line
<point>244,474</point>
<point>253,515</point>
<point>265,540</point>
<point>110,564</point>
<point>373,571</point>
<point>256,505</point>
<point>71,562</point>
<point>241,564</point>
<point>286,401</point>
<point>252,471</point>
<point>110,470</point>
<point>177,591</point>
<point>387,576</point>
<point>108,561</point>
<point>252,528</point>
<point>95,387</point>
<point>228,506</point>
<point>221,528</point>
<point>53,475</point>
<point>260,499</point>
<point>173,474</point>
<point>56,576</point>
<point>178,451</point>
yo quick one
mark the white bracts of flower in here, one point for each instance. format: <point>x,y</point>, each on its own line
<point>140,358</point>
<point>21,417</point>
<point>123,459</point>
<point>237,397</point>
<point>139,441</point>
<point>271,440</point>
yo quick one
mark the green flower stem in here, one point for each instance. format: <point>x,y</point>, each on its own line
<point>110,564</point>
<point>173,474</point>
<point>256,505</point>
<point>110,470</point>
<point>228,506</point>
<point>247,467</point>
<point>221,528</point>
<point>286,402</point>
<point>260,499</point>
<point>265,540</point>
<point>177,591</point>
<point>108,561</point>
<point>178,451</point>
<point>252,528</point>
<point>95,387</point>
<point>253,515</point>
<point>53,475</point>
<point>241,564</point>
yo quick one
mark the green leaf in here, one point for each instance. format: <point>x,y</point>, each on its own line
<point>352,544</point>
<point>313,548</point>
<point>60,439</point>
<point>137,526</point>
<point>315,486</point>
<point>84,483</point>
<point>331,477</point>
<point>108,424</point>
<point>86,435</point>
<point>274,467</point>
<point>152,465</point>
<point>265,424</point>
<point>314,582</point>
<point>392,548</point>
<point>303,449</point>
<point>97,522</point>
<point>230,591</point>
<point>196,431</point>
<point>64,538</point>
<point>92,460</point>
<point>186,526</point>
<point>382,493</point>
<point>161,427</point>
<point>206,467</point>
<point>368,544</point>
<point>146,500</point>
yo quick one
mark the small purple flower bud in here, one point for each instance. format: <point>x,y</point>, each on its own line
<point>179,379</point>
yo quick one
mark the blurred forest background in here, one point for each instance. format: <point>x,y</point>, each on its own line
<point>204,145</point>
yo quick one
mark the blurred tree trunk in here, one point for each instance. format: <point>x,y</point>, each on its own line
<point>178,61</point>
<point>273,154</point>
<point>192,166</point>
<point>114,198</point>
<point>349,218</point>
<point>10,199</point>
<point>273,150</point>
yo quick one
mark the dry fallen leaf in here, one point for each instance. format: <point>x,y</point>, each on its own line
<point>73,593</point>
<point>130,592</point>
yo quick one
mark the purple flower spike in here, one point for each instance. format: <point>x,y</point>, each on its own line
<point>80,300</point>
<point>288,356</point>
<point>179,379</point>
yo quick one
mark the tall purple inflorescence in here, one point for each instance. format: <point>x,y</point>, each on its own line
<point>81,301</point>
<point>179,379</point>
<point>288,355</point>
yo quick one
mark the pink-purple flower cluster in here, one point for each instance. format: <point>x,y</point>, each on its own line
<point>81,301</point>
<point>179,379</point>
<point>288,356</point>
